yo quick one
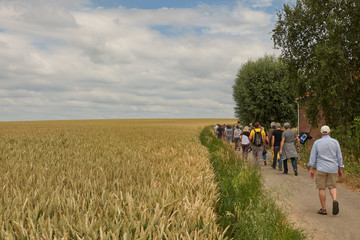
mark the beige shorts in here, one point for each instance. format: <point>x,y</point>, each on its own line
<point>326,180</point>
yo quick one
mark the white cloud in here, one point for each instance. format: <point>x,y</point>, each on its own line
<point>98,63</point>
<point>261,3</point>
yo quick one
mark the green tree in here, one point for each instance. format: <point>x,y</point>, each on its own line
<point>320,44</point>
<point>262,92</point>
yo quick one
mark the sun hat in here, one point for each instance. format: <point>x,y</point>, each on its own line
<point>325,130</point>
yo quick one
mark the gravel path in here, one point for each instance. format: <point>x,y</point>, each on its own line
<point>298,197</point>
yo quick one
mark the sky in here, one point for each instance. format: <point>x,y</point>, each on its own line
<point>113,59</point>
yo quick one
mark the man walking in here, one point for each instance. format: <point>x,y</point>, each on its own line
<point>275,145</point>
<point>257,138</point>
<point>237,134</point>
<point>326,155</point>
<point>287,148</point>
<point>272,129</point>
<point>220,131</point>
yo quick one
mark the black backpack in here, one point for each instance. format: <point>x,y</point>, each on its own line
<point>258,139</point>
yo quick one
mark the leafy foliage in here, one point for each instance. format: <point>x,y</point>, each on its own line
<point>320,42</point>
<point>262,92</point>
<point>350,143</point>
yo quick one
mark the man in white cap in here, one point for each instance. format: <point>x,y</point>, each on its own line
<point>326,155</point>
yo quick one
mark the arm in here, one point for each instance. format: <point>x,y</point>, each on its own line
<point>340,162</point>
<point>281,145</point>
<point>311,173</point>
<point>263,134</point>
<point>312,160</point>
<point>298,144</point>
<point>272,142</point>
<point>340,173</point>
<point>251,137</point>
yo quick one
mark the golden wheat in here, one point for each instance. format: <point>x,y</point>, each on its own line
<point>106,179</point>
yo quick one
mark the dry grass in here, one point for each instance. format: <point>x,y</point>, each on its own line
<point>107,179</point>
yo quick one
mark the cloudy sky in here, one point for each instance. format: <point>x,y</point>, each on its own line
<point>102,59</point>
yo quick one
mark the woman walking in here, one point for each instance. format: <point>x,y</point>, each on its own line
<point>245,142</point>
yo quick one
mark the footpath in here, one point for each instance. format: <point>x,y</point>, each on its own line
<point>298,198</point>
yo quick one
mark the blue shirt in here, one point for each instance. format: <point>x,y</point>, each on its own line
<point>326,155</point>
<point>229,132</point>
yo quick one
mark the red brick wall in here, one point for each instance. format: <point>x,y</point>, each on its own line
<point>304,124</point>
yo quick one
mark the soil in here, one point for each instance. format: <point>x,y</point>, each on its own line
<point>298,198</point>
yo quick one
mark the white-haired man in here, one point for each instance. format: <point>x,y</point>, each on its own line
<point>326,156</point>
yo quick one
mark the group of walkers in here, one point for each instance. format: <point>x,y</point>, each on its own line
<point>325,154</point>
<point>256,140</point>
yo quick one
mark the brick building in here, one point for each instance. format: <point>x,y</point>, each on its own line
<point>303,122</point>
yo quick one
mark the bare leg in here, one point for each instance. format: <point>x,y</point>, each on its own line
<point>333,193</point>
<point>322,196</point>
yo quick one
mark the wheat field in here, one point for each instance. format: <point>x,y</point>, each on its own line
<point>107,179</point>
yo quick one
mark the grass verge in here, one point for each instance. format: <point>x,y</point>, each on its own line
<point>243,207</point>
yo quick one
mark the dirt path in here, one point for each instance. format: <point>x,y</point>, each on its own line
<point>298,197</point>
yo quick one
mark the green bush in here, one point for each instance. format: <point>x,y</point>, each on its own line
<point>244,208</point>
<point>349,139</point>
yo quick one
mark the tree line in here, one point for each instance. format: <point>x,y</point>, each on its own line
<point>319,61</point>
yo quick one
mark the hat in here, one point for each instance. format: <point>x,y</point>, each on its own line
<point>325,129</point>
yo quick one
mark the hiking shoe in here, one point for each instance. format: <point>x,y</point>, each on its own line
<point>296,173</point>
<point>285,173</point>
<point>273,167</point>
<point>280,169</point>
<point>335,209</point>
<point>322,211</point>
<point>265,163</point>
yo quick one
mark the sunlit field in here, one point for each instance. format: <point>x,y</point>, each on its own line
<point>107,179</point>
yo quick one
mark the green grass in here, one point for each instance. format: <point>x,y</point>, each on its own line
<point>244,207</point>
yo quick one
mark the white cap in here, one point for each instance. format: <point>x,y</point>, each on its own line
<point>325,130</point>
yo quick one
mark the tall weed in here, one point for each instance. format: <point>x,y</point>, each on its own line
<point>349,139</point>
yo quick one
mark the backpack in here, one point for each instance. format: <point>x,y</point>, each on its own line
<point>258,139</point>
<point>303,138</point>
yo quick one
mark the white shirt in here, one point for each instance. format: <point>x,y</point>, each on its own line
<point>237,133</point>
<point>245,140</point>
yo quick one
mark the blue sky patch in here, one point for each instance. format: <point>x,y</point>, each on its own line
<point>45,43</point>
<point>173,31</point>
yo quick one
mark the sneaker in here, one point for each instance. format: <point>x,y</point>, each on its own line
<point>296,173</point>
<point>322,211</point>
<point>335,207</point>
